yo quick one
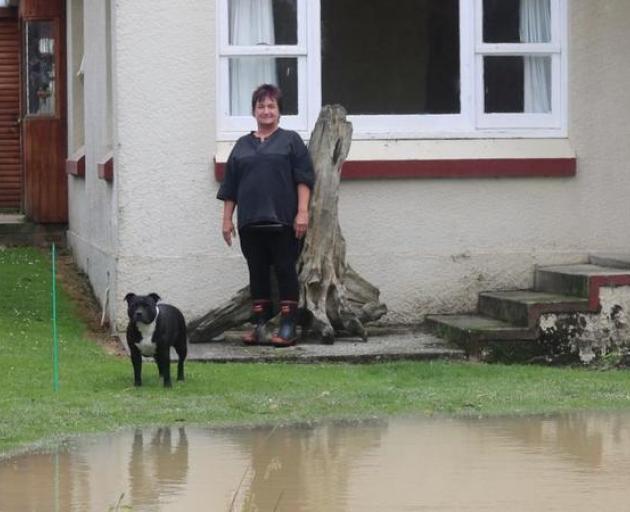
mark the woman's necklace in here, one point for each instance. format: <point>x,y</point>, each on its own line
<point>264,137</point>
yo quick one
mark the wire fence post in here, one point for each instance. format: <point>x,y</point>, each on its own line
<point>54,322</point>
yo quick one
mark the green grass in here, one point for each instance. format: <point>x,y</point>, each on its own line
<point>97,394</point>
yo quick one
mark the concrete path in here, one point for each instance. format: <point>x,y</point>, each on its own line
<point>384,346</point>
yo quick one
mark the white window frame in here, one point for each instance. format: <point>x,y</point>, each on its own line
<point>553,49</point>
<point>470,122</point>
<point>232,127</point>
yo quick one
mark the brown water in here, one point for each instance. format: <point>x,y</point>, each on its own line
<point>565,463</point>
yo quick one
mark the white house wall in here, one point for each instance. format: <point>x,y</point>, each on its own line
<point>92,232</point>
<point>169,219</point>
<point>430,245</point>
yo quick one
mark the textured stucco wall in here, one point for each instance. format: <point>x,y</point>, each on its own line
<point>429,245</point>
<point>92,232</point>
<point>599,129</point>
<point>599,116</point>
<point>432,245</point>
<point>169,219</point>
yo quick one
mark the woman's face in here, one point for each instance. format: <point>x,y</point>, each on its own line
<point>267,113</point>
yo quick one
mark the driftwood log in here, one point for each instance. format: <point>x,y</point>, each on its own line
<point>333,297</point>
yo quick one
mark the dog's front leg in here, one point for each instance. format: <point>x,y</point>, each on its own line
<point>157,363</point>
<point>136,361</point>
<point>164,363</point>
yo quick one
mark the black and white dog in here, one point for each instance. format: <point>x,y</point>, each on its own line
<point>153,328</point>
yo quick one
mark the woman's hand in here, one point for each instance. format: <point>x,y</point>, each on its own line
<point>228,231</point>
<point>228,226</point>
<point>300,225</point>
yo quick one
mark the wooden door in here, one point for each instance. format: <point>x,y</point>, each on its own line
<point>44,112</point>
<point>11,183</point>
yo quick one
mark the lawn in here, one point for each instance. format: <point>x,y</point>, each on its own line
<point>97,393</point>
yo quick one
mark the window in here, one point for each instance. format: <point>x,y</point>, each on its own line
<point>520,59</point>
<point>421,62</point>
<point>40,69</point>
<point>404,69</point>
<point>262,41</point>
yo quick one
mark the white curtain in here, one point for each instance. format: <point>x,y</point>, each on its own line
<point>251,23</point>
<point>535,27</point>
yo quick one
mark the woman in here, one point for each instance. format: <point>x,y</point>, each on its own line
<point>269,176</point>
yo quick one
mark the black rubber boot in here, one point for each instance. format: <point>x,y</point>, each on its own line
<point>286,335</point>
<point>261,313</point>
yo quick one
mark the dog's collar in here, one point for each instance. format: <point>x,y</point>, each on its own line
<point>157,312</point>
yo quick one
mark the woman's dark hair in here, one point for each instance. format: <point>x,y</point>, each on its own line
<point>267,91</point>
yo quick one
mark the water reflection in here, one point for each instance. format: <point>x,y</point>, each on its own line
<point>574,437</point>
<point>577,462</point>
<point>158,466</point>
<point>309,469</point>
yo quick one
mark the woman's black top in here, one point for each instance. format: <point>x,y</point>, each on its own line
<point>262,177</point>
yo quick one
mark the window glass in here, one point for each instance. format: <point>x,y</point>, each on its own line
<point>516,21</point>
<point>517,84</point>
<point>411,68</point>
<point>40,68</point>
<point>262,22</point>
<point>368,71</point>
<point>247,73</point>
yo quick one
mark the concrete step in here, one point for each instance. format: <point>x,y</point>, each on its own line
<point>524,307</point>
<point>409,344</point>
<point>477,328</point>
<point>11,218</point>
<point>614,260</point>
<point>15,230</point>
<point>583,280</point>
<point>507,324</point>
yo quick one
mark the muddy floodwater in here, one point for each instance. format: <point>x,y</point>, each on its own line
<point>577,462</point>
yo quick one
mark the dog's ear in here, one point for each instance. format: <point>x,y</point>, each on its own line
<point>155,297</point>
<point>129,296</point>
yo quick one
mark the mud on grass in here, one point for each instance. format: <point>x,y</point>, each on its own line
<point>77,286</point>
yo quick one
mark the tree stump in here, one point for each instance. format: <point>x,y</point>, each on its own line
<point>333,297</point>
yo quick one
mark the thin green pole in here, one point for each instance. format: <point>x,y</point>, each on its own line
<point>54,324</point>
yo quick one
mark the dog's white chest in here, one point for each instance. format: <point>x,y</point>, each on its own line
<point>146,345</point>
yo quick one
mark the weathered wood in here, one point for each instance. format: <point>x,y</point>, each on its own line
<point>45,136</point>
<point>230,314</point>
<point>325,278</point>
<point>333,296</point>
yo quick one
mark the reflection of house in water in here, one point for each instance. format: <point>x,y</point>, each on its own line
<point>34,482</point>
<point>577,462</point>
<point>584,438</point>
<point>158,465</point>
<point>311,466</point>
<point>92,476</point>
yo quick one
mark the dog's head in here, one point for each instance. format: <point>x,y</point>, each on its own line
<point>142,308</point>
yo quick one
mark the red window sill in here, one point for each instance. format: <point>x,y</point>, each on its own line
<point>462,168</point>
<point>105,167</point>
<point>75,164</point>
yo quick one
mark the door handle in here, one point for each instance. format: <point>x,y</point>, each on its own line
<point>18,121</point>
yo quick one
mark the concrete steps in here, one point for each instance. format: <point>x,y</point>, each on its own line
<point>475,329</point>
<point>579,280</point>
<point>512,316</point>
